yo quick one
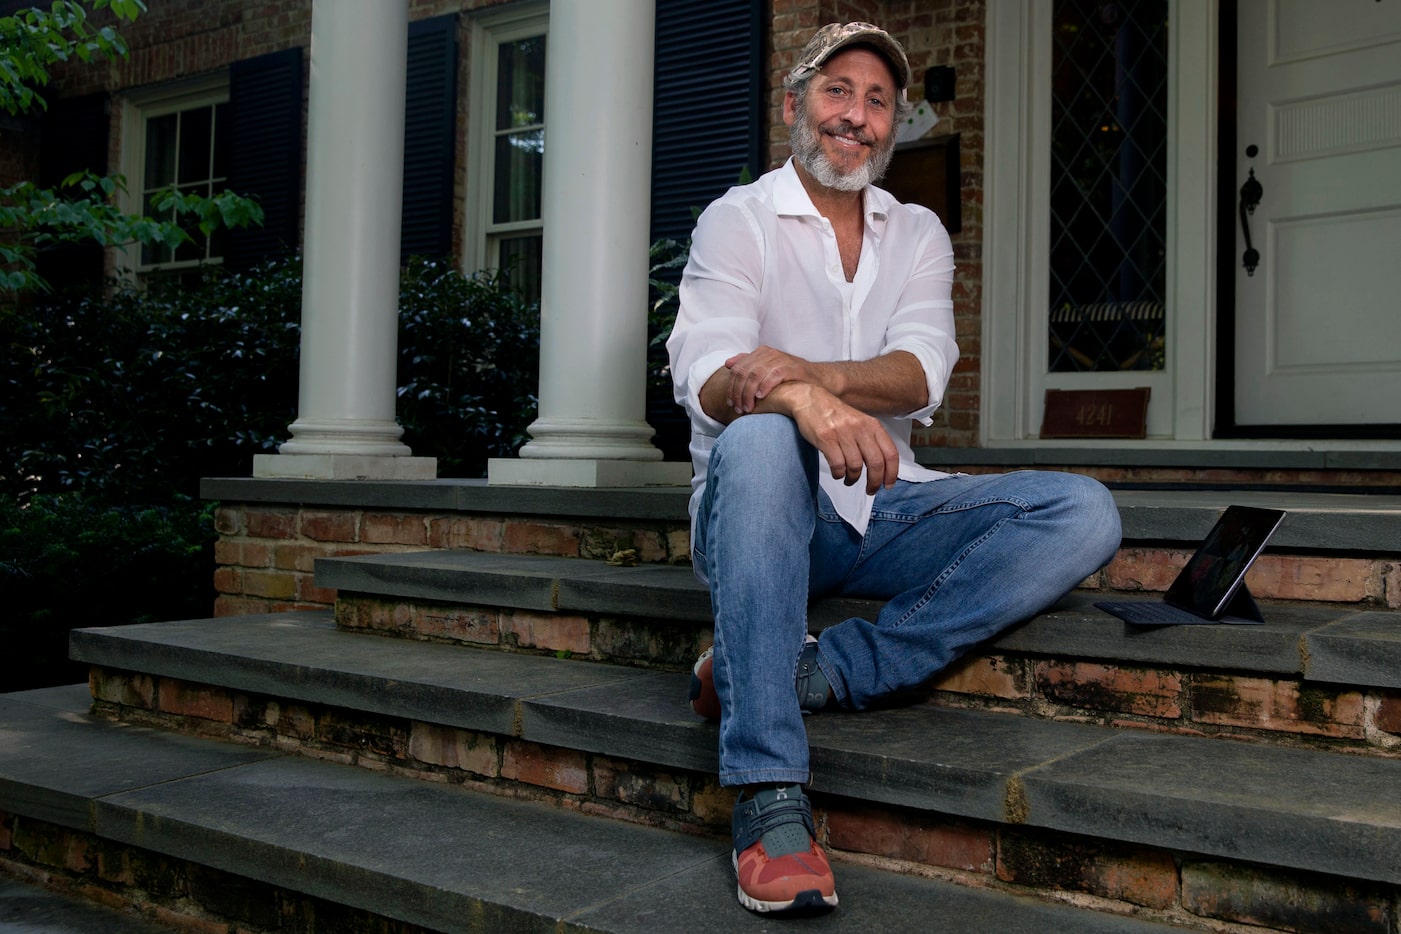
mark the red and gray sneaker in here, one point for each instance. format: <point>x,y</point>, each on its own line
<point>777,860</point>
<point>814,691</point>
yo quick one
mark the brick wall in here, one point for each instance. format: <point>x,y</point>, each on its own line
<point>266,554</point>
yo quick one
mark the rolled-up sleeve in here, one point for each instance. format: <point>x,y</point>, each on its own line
<point>922,324</point>
<point>719,305</point>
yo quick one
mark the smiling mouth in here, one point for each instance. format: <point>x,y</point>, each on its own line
<point>846,138</point>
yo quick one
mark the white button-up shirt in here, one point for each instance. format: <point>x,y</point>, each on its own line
<point>764,269</point>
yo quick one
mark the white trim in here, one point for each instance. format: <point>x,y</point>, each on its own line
<point>488,31</point>
<point>136,107</point>
<point>1016,206</point>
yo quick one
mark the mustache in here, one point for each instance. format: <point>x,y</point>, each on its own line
<point>844,128</point>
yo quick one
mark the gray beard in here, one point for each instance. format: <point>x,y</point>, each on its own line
<point>807,150</point>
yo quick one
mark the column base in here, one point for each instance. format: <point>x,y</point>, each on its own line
<point>343,467</point>
<point>582,472</point>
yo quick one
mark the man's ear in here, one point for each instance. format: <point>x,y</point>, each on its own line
<point>790,100</point>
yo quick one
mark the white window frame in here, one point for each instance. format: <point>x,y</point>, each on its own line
<point>489,31</point>
<point>137,107</point>
<point>1016,225</point>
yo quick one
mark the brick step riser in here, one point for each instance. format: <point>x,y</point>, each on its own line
<point>1277,710</point>
<point>1202,892</point>
<point>266,555</point>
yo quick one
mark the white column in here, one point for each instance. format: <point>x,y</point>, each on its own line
<point>346,426</point>
<point>596,210</point>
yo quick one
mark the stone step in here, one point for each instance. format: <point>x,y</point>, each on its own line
<point>212,834</point>
<point>1317,672</point>
<point>1333,548</point>
<point>607,736</point>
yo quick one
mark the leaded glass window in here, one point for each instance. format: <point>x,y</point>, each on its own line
<point>1108,186</point>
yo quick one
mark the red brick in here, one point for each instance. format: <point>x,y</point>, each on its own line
<point>384,528</point>
<point>190,700</point>
<point>461,624</point>
<point>1284,902</point>
<point>295,556</point>
<point>1332,580</point>
<point>911,836</point>
<point>1144,569</point>
<point>1261,703</point>
<point>306,591</point>
<point>546,766</point>
<point>239,606</point>
<point>1107,870</point>
<point>1106,687</point>
<point>644,788</point>
<point>330,526</point>
<point>264,523</point>
<point>538,538</point>
<point>120,687</point>
<point>454,749</point>
<point>986,676</point>
<point>1392,584</point>
<point>548,631</point>
<point>228,520</point>
<point>1389,713</point>
<point>274,585</point>
<point>477,533</point>
<point>228,580</point>
<point>711,804</point>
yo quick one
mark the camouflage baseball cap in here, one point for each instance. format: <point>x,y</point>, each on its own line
<point>836,36</point>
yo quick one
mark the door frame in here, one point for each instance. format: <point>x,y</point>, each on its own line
<point>1016,229</point>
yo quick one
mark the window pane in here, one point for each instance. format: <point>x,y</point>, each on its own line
<point>161,134</point>
<point>154,253</point>
<point>520,83</point>
<point>196,247</point>
<point>520,160</point>
<point>195,129</point>
<point>520,264</point>
<point>1108,185</point>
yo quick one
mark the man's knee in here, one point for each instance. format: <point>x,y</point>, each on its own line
<point>769,446</point>
<point>1091,514</point>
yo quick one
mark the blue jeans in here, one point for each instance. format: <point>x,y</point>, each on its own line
<point>958,560</point>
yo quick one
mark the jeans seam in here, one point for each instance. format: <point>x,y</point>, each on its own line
<point>948,571</point>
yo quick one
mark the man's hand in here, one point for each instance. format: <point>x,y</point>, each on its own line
<point>754,375</point>
<point>852,441</point>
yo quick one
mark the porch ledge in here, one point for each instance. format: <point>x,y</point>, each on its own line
<point>1318,522</point>
<point>1242,455</point>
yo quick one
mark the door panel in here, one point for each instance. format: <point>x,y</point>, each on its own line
<point>1318,324</point>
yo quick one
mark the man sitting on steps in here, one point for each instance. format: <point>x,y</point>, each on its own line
<point>816,324</point>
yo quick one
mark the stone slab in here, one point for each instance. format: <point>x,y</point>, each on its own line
<point>432,855</point>
<point>871,900</point>
<point>1296,808</point>
<point>939,759</point>
<point>1075,628</point>
<point>648,719</point>
<point>1364,648</point>
<point>55,760</point>
<point>462,577</point>
<point>302,656</point>
<point>453,860</point>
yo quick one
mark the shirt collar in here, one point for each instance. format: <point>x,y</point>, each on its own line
<point>791,198</point>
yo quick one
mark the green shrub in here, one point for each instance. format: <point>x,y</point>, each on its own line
<point>469,367</point>
<point>71,561</point>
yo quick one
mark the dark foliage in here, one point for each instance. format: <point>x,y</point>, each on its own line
<point>131,397</point>
<point>70,561</point>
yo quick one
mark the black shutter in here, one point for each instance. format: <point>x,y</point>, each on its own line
<point>430,118</point>
<point>709,106</point>
<point>265,152</point>
<point>72,138</point>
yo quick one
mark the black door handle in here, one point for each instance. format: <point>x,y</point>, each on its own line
<point>1250,194</point>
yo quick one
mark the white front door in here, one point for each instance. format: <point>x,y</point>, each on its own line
<point>1318,324</point>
